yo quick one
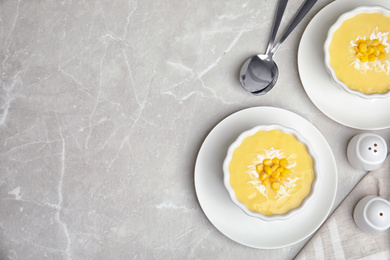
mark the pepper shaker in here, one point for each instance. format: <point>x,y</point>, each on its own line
<point>367,151</point>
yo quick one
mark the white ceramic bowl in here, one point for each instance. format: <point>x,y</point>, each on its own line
<point>238,142</point>
<point>333,29</point>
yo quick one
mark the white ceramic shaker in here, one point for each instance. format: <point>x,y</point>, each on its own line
<point>367,151</point>
<point>372,214</point>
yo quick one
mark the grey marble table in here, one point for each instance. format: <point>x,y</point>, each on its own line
<point>103,108</point>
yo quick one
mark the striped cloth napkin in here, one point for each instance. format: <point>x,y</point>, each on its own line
<point>340,238</point>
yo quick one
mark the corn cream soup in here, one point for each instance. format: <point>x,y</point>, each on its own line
<point>277,150</point>
<point>359,53</point>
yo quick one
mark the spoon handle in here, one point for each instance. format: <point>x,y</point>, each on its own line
<point>305,8</point>
<point>278,18</point>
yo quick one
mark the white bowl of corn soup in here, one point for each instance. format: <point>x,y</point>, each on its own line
<point>357,52</point>
<point>270,172</point>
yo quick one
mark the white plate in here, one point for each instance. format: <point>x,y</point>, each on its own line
<point>230,219</point>
<point>332,100</point>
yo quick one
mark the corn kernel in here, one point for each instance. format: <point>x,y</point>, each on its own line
<point>286,171</point>
<point>364,58</point>
<point>370,50</point>
<point>376,51</point>
<point>259,167</point>
<point>280,169</point>
<point>275,161</point>
<point>275,175</point>
<point>267,170</point>
<point>265,182</point>
<point>375,42</point>
<point>274,167</point>
<point>275,185</point>
<point>381,55</point>
<point>263,176</point>
<point>360,41</point>
<point>271,179</point>
<point>363,47</point>
<point>371,58</point>
<point>381,47</point>
<point>283,162</point>
<point>267,162</point>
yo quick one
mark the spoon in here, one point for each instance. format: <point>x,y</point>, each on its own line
<point>260,70</point>
<point>259,73</point>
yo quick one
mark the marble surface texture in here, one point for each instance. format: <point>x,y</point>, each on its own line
<point>103,108</point>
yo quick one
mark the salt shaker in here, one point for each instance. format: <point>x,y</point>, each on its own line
<point>372,214</point>
<point>367,151</point>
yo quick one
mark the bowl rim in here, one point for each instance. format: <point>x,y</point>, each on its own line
<point>250,132</point>
<point>347,15</point>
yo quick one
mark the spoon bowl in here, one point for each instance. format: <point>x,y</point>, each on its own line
<point>257,71</point>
